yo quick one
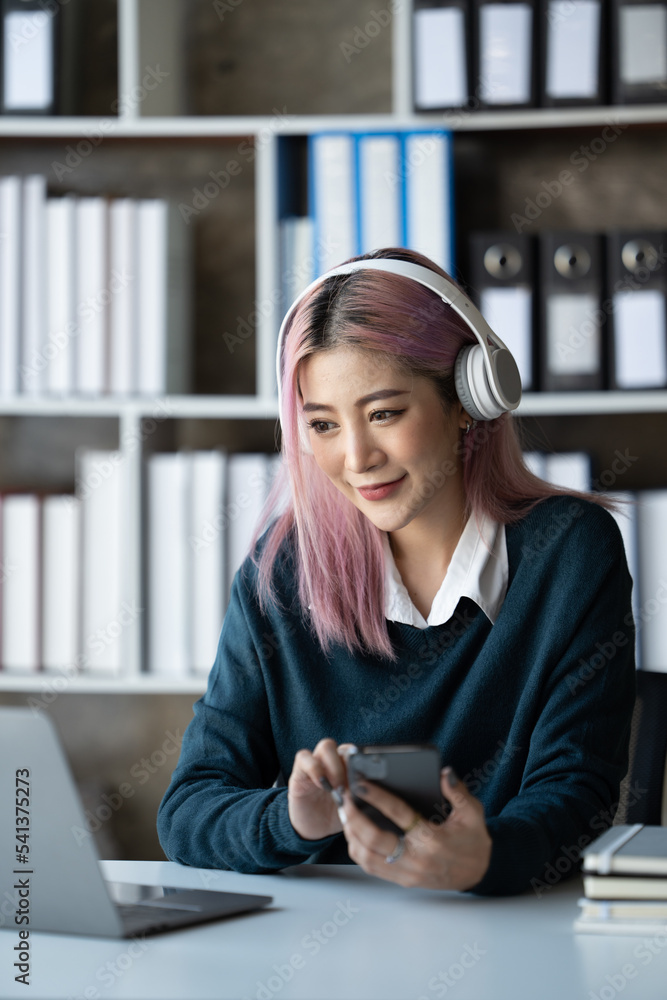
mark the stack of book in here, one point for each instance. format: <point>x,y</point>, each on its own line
<point>65,599</point>
<point>642,521</point>
<point>203,507</point>
<point>625,882</point>
<point>67,594</point>
<point>94,294</point>
<point>370,190</point>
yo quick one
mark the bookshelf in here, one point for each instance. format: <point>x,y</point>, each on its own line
<point>164,140</point>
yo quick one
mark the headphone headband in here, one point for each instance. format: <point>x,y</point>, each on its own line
<point>487,380</point>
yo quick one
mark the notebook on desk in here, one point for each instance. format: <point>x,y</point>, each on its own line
<point>49,867</point>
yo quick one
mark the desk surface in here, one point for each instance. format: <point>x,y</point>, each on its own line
<point>335,933</point>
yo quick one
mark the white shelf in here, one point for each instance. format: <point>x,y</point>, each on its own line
<point>266,125</point>
<point>51,685</point>
<point>266,408</point>
<point>537,118</point>
<point>164,407</point>
<point>610,401</point>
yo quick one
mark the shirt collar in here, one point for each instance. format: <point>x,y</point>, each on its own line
<point>478,569</point>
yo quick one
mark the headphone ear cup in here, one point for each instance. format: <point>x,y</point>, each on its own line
<point>467,378</point>
<point>507,376</point>
<point>474,388</point>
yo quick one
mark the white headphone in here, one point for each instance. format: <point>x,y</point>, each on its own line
<point>486,377</point>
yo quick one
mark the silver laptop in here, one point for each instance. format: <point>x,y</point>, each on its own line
<point>49,865</point>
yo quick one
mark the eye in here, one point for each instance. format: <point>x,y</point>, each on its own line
<point>379,416</point>
<point>320,426</point>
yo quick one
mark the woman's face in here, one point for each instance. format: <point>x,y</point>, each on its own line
<point>382,437</point>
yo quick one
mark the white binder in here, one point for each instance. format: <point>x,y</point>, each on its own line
<point>10,284</point>
<point>93,295</point>
<point>248,478</point>
<point>428,181</point>
<point>333,204</point>
<point>123,318</point>
<point>573,49</point>
<point>27,63</point>
<point>640,339</point>
<point>206,537</point>
<point>106,617</point>
<point>168,557</point>
<point>58,349</point>
<point>505,52</point>
<point>33,300</point>
<point>61,521</point>
<point>380,192</point>
<point>441,71</point>
<point>643,43</point>
<point>20,583</point>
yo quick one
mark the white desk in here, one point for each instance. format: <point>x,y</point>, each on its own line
<point>379,941</point>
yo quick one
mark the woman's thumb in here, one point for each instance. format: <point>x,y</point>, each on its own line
<point>453,788</point>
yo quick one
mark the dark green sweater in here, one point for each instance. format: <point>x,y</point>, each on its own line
<point>533,712</point>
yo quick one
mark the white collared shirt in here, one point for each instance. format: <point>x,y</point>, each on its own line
<point>478,570</point>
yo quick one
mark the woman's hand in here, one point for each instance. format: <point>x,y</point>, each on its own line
<point>451,855</point>
<point>312,810</point>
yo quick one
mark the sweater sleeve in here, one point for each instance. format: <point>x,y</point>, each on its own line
<point>221,809</point>
<point>578,752</point>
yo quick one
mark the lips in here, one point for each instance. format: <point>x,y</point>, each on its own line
<point>378,491</point>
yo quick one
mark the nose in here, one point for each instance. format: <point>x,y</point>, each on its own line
<point>361,450</point>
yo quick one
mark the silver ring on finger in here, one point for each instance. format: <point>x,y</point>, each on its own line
<point>398,850</point>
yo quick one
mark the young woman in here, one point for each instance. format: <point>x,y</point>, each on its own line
<point>419,586</point>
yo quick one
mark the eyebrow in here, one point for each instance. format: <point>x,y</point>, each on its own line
<point>371,398</point>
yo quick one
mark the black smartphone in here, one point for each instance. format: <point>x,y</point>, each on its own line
<point>412,772</point>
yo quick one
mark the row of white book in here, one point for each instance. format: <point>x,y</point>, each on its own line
<point>371,190</point>
<point>94,293</point>
<point>202,511</point>
<point>68,596</point>
<point>642,520</point>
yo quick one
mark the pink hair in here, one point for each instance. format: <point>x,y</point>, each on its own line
<point>339,554</point>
